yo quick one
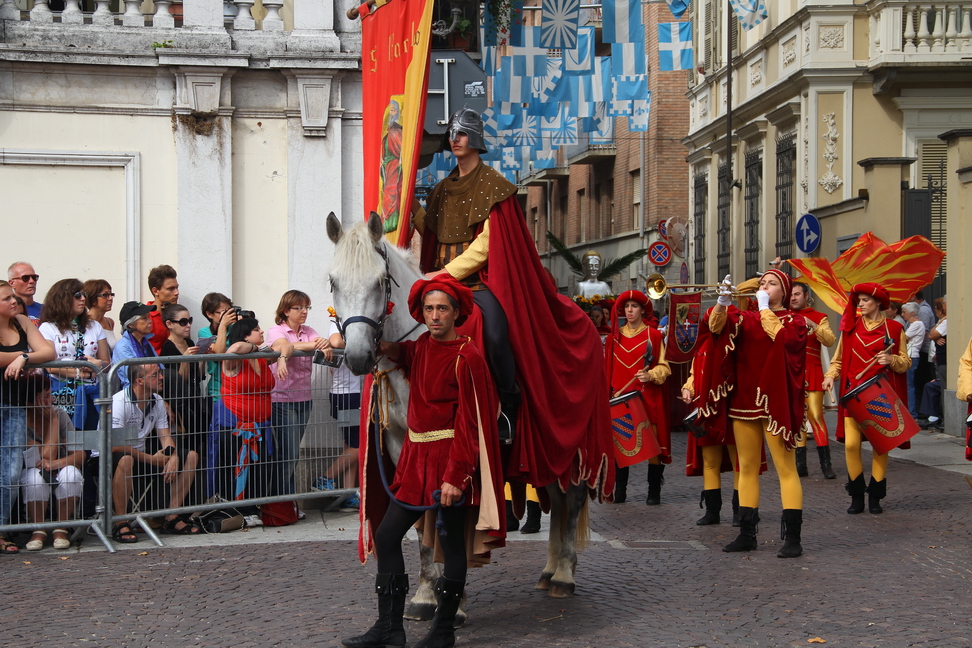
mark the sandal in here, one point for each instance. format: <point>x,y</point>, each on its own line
<point>7,547</point>
<point>61,543</point>
<point>36,544</point>
<point>172,527</point>
<point>122,532</point>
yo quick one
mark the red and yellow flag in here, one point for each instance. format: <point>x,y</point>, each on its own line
<point>395,63</point>
<point>903,268</point>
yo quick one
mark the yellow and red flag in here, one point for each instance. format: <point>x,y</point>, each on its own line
<point>395,63</point>
<point>903,268</point>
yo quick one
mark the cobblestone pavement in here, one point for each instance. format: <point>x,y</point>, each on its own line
<point>653,578</point>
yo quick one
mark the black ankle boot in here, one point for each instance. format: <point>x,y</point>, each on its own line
<point>735,508</point>
<point>512,524</point>
<point>532,524</point>
<point>509,410</point>
<point>713,505</point>
<point>790,533</point>
<point>825,466</point>
<point>388,631</point>
<point>748,527</point>
<point>442,633</point>
<point>655,480</point>
<point>855,488</point>
<point>876,491</point>
<point>801,461</point>
<point>620,485</point>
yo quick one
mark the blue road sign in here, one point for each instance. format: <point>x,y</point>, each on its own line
<point>808,233</point>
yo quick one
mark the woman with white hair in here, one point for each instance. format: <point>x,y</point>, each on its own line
<point>915,332</point>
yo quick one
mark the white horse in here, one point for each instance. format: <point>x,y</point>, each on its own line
<point>367,273</point>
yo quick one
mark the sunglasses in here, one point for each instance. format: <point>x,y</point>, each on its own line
<point>105,295</point>
<point>28,278</point>
<point>182,322</point>
<point>79,295</point>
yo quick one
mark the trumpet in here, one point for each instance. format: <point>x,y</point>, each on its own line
<point>658,287</point>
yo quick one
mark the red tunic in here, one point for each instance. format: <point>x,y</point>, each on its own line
<point>247,395</point>
<point>447,379</point>
<point>814,368</point>
<point>627,359</point>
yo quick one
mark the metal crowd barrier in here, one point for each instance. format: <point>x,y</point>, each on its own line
<point>227,448</point>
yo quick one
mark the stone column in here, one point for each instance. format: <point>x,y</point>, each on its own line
<point>313,28</point>
<point>882,180</point>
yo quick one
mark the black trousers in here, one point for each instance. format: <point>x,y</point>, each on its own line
<point>397,522</point>
<point>496,340</point>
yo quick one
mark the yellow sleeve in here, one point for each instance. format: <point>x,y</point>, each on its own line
<point>901,362</point>
<point>834,371</point>
<point>824,334</point>
<point>717,320</point>
<point>964,386</point>
<point>771,323</point>
<point>690,383</point>
<point>660,373</point>
<point>474,258</point>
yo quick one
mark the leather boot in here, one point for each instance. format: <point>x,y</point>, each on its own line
<point>509,409</point>
<point>442,633</point>
<point>801,462</point>
<point>512,524</point>
<point>532,524</point>
<point>748,527</point>
<point>790,533</point>
<point>620,485</point>
<point>655,480</point>
<point>735,507</point>
<point>826,467</point>
<point>713,505</point>
<point>855,488</point>
<point>876,491</point>
<point>388,631</point>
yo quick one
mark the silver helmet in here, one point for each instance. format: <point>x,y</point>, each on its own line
<point>466,121</point>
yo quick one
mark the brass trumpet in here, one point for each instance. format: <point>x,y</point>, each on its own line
<point>658,287</point>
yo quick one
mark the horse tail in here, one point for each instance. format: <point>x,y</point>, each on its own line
<point>583,537</point>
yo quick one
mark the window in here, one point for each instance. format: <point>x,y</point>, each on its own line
<point>723,230</point>
<point>700,194</point>
<point>932,172</point>
<point>635,198</point>
<point>754,188</point>
<point>785,197</point>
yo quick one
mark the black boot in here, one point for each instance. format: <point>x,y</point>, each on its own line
<point>825,466</point>
<point>442,634</point>
<point>713,504</point>
<point>512,524</point>
<point>388,631</point>
<point>855,488</point>
<point>509,409</point>
<point>655,480</point>
<point>801,461</point>
<point>790,533</point>
<point>876,491</point>
<point>735,507</point>
<point>748,527</point>
<point>620,485</point>
<point>532,524</point>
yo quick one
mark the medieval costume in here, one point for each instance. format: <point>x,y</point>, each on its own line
<point>820,335</point>
<point>854,364</point>
<point>963,389</point>
<point>755,377</point>
<point>628,352</point>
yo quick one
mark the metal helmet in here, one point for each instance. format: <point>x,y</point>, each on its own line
<point>466,121</point>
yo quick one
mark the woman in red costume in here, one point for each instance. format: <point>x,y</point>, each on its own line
<point>755,376</point>
<point>635,360</point>
<point>452,446</point>
<point>861,353</point>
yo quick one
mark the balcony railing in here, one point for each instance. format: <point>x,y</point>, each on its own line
<point>237,14</point>
<point>920,32</point>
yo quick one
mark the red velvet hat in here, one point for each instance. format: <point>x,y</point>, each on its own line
<point>632,295</point>
<point>785,282</point>
<point>447,284</point>
<point>875,290</point>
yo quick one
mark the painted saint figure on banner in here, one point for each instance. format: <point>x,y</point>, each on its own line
<point>391,166</point>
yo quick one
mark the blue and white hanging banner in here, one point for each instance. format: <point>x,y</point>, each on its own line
<point>580,60</point>
<point>559,23</point>
<point>628,88</point>
<point>677,7</point>
<point>620,20</point>
<point>750,12</point>
<point>640,112</point>
<point>528,133</point>
<point>510,87</point>
<point>559,130</point>
<point>675,46</point>
<point>619,108</point>
<point>629,58</point>
<point>529,59</point>
<point>603,126</point>
<point>545,157</point>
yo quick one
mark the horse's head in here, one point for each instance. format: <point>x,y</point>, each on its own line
<point>359,288</point>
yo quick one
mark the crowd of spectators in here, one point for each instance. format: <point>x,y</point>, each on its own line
<point>192,430</point>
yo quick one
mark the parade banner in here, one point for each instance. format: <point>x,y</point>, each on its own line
<point>395,63</point>
<point>685,313</point>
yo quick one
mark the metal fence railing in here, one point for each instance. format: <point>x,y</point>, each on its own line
<point>174,450</point>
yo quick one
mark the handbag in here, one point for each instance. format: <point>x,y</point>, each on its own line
<point>221,520</point>
<point>279,513</point>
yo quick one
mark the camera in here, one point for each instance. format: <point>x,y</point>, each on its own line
<point>243,314</point>
<point>321,359</point>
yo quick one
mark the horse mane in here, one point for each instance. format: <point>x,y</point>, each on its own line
<point>356,254</point>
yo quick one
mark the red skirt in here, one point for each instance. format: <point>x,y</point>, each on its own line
<point>420,471</point>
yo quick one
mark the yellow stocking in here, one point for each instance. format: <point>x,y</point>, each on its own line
<point>734,459</point>
<point>711,465</point>
<point>852,448</point>
<point>791,491</point>
<point>879,467</point>
<point>815,418</point>
<point>749,445</point>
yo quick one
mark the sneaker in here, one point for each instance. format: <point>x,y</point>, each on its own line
<point>324,484</point>
<point>253,520</point>
<point>353,502</point>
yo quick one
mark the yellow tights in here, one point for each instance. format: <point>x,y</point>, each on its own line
<point>749,443</point>
<point>815,420</point>
<point>852,450</point>
<point>712,466</point>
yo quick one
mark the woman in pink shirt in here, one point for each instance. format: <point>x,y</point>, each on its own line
<point>292,396</point>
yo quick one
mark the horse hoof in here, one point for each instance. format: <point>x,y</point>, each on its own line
<point>544,582</point>
<point>420,611</point>
<point>560,590</point>
<point>460,619</point>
